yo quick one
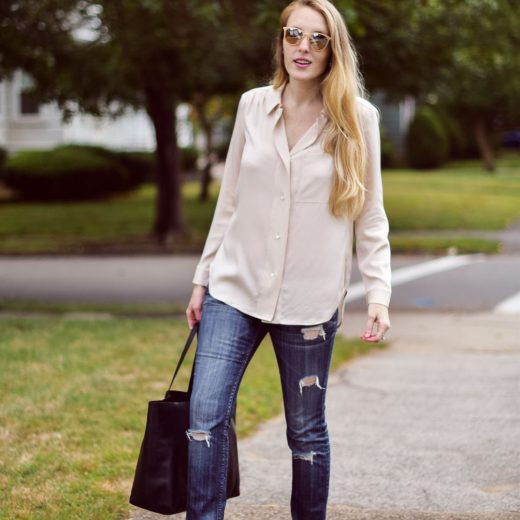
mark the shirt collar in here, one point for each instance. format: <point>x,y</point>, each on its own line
<point>274,100</point>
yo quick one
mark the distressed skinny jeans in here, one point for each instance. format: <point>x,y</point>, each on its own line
<point>227,340</point>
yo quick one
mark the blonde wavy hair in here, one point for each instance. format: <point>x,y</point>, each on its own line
<point>342,82</point>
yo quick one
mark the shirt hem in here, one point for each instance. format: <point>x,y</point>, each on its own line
<point>264,318</point>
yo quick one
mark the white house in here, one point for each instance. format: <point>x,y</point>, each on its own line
<point>23,124</point>
<point>26,124</point>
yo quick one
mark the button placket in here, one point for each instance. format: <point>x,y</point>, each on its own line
<point>279,228</point>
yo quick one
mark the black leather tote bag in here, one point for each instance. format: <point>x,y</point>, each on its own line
<point>160,481</point>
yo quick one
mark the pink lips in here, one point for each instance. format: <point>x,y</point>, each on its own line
<point>302,63</point>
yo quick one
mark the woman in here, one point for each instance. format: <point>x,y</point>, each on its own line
<point>302,178</point>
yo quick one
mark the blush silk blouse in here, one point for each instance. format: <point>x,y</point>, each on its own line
<point>274,251</point>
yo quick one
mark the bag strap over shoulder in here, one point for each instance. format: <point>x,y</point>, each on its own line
<point>189,341</point>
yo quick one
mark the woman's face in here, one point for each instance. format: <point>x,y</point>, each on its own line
<point>302,62</point>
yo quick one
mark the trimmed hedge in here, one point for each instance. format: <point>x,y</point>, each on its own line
<point>426,140</point>
<point>145,163</point>
<point>71,172</point>
<point>140,164</point>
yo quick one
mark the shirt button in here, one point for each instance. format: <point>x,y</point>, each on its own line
<point>272,274</point>
<point>277,236</point>
<point>282,197</point>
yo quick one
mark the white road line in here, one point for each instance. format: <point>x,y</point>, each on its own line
<point>414,272</point>
<point>509,306</point>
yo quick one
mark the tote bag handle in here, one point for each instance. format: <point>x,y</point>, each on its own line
<point>189,341</point>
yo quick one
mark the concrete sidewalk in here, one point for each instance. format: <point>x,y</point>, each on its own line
<point>426,429</point>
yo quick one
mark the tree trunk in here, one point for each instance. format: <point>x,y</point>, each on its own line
<point>168,208</point>
<point>486,152</point>
<point>207,127</point>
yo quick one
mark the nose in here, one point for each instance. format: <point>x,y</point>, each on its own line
<point>304,44</point>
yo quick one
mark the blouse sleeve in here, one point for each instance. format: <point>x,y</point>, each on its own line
<point>226,199</point>
<point>371,226</point>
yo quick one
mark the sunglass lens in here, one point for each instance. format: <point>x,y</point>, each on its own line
<point>293,35</point>
<point>319,41</point>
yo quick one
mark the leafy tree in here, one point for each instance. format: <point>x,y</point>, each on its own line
<point>150,53</point>
<point>482,83</point>
<point>461,55</point>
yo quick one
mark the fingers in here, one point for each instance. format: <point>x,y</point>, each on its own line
<point>378,319</point>
<point>369,328</point>
<point>190,316</point>
<point>193,315</point>
<point>194,310</point>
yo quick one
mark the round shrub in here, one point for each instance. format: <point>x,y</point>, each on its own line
<point>426,140</point>
<point>70,172</point>
<point>141,165</point>
<point>456,134</point>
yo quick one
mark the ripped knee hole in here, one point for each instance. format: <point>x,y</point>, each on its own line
<point>199,435</point>
<point>313,380</point>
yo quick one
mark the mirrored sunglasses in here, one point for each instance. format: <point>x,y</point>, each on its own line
<point>318,41</point>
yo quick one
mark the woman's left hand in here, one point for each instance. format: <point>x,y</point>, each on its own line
<point>378,318</point>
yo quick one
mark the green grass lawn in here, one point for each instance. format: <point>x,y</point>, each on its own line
<point>451,199</point>
<point>460,196</point>
<point>77,227</point>
<point>73,408</point>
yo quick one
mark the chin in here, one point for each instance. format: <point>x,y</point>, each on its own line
<point>298,76</point>
<point>303,75</point>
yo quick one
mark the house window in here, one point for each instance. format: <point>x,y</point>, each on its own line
<point>28,103</point>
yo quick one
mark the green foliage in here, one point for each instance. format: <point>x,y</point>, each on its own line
<point>3,156</point>
<point>141,165</point>
<point>389,154</point>
<point>459,138</point>
<point>70,172</point>
<point>483,79</point>
<point>426,140</point>
<point>189,157</point>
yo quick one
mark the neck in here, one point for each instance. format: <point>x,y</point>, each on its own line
<point>301,93</point>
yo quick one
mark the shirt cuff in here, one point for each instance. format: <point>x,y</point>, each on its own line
<point>201,276</point>
<point>379,296</point>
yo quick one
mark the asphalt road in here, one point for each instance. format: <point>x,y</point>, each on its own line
<point>480,285</point>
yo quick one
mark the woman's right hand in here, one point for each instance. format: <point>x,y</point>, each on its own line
<point>194,310</point>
